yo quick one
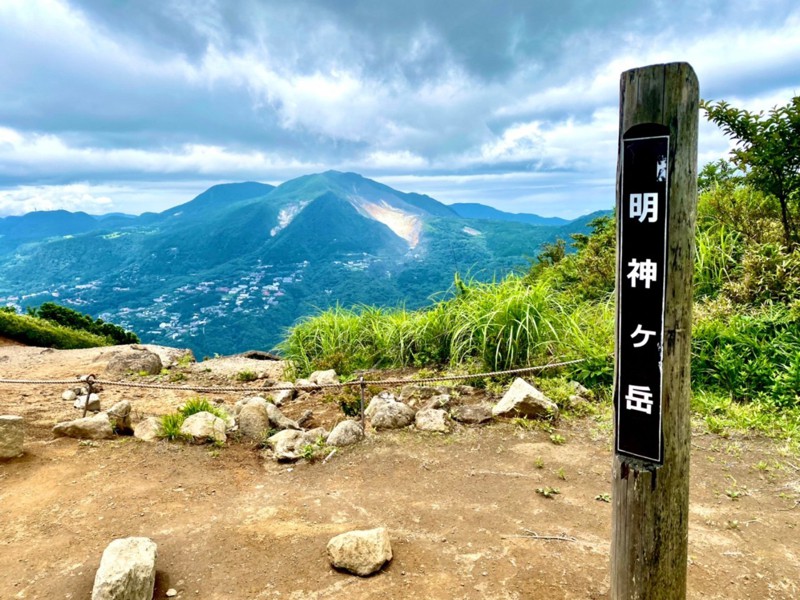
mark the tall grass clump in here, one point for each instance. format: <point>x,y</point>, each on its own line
<point>486,326</point>
<point>39,332</point>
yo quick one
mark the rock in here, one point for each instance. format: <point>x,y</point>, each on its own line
<point>12,436</point>
<point>204,427</point>
<point>393,415</point>
<point>346,433</point>
<point>138,361</point>
<point>306,418</point>
<point>524,400</point>
<point>432,419</point>
<point>148,429</point>
<point>120,417</point>
<point>581,390</point>
<point>472,414</point>
<point>438,401</point>
<point>94,403</point>
<point>97,427</point>
<point>360,552</point>
<point>377,402</point>
<point>170,357</point>
<point>324,377</point>
<point>304,383</point>
<point>414,394</point>
<point>284,444</point>
<point>68,396</point>
<point>281,396</point>
<point>253,419</point>
<point>278,420</point>
<point>171,593</point>
<point>315,436</point>
<point>127,570</point>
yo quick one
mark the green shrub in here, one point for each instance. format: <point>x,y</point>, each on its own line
<point>72,319</point>
<point>246,376</point>
<point>196,405</point>
<point>171,426</point>
<point>38,332</point>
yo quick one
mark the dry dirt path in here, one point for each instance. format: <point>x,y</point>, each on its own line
<point>230,524</point>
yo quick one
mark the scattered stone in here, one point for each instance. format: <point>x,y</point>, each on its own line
<point>96,427</point>
<point>281,396</point>
<point>69,396</point>
<point>472,414</point>
<point>306,418</point>
<point>414,394</point>
<point>148,429</point>
<point>94,403</point>
<point>314,436</point>
<point>432,419</point>
<point>438,401</point>
<point>393,415</point>
<point>524,400</point>
<point>305,383</point>
<point>253,418</point>
<point>171,593</point>
<point>360,552</point>
<point>580,390</point>
<point>127,570</point>
<point>324,377</point>
<point>377,402</point>
<point>12,436</point>
<point>120,417</point>
<point>346,433</point>
<point>137,361</point>
<point>204,427</point>
<point>170,357</point>
<point>284,444</point>
<point>278,420</point>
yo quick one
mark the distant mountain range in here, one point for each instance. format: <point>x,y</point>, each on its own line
<point>231,269</point>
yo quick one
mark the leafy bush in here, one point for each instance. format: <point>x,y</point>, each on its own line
<point>38,332</point>
<point>66,317</point>
<point>171,426</point>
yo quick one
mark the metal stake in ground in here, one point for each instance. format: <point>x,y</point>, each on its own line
<point>656,199</point>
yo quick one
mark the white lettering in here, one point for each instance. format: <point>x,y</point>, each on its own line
<point>644,206</point>
<point>639,398</point>
<point>643,271</point>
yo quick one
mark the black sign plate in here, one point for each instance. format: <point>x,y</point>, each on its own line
<point>642,269</point>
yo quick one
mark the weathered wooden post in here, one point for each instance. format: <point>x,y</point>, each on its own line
<point>656,201</point>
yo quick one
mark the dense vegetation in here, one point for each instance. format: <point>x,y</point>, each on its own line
<point>54,326</point>
<point>746,334</point>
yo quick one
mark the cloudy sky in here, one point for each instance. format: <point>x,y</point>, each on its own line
<point>115,105</point>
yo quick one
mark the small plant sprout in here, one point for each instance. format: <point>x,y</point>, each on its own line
<point>557,439</point>
<point>538,462</point>
<point>561,474</point>
<point>246,376</point>
<point>547,491</point>
<point>605,497</point>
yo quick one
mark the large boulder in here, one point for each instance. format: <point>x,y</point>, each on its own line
<point>328,377</point>
<point>12,436</point>
<point>204,427</point>
<point>286,444</point>
<point>97,427</point>
<point>120,417</point>
<point>127,570</point>
<point>253,419</point>
<point>360,552</point>
<point>472,414</point>
<point>136,361</point>
<point>524,400</point>
<point>346,433</point>
<point>378,402</point>
<point>432,419</point>
<point>148,429</point>
<point>393,415</point>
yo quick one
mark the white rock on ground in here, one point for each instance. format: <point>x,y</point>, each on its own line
<point>472,414</point>
<point>432,419</point>
<point>360,552</point>
<point>12,436</point>
<point>346,433</point>
<point>204,427</point>
<point>524,400</point>
<point>127,570</point>
<point>377,402</point>
<point>393,415</point>
<point>148,429</point>
<point>281,396</point>
<point>134,361</point>
<point>68,396</point>
<point>97,427</point>
<point>285,444</point>
<point>120,417</point>
<point>253,418</point>
<point>324,377</point>
<point>278,420</point>
<point>93,399</point>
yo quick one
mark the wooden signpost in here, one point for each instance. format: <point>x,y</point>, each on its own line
<point>656,201</point>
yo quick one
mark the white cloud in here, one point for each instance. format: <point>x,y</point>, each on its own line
<point>73,197</point>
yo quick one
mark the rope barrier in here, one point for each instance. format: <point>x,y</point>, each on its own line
<point>233,389</point>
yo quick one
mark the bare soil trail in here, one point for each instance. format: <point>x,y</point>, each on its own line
<point>231,524</point>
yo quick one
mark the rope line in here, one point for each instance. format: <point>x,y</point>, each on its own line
<point>362,382</point>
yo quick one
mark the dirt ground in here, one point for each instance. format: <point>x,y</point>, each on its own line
<point>231,524</point>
